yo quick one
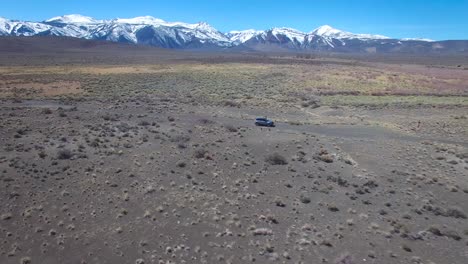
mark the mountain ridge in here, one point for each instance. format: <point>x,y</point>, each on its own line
<point>148,30</point>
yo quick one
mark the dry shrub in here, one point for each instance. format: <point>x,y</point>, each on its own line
<point>231,128</point>
<point>64,154</point>
<point>205,121</point>
<point>231,103</point>
<point>276,159</point>
<point>46,111</point>
<point>200,153</point>
<point>345,259</point>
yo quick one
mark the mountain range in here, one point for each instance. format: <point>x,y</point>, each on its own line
<point>147,30</point>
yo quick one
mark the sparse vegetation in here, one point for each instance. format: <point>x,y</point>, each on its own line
<point>46,111</point>
<point>200,153</point>
<point>368,150</point>
<point>6,216</point>
<point>64,154</point>
<point>276,159</point>
<point>346,259</point>
<point>205,121</point>
<point>455,212</point>
<point>231,128</point>
<point>144,123</point>
<point>25,260</point>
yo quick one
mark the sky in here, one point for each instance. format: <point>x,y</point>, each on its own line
<point>433,19</point>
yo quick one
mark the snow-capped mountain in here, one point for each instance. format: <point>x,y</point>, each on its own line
<point>418,39</point>
<point>332,33</point>
<point>282,34</point>
<point>238,37</point>
<point>19,28</point>
<point>139,30</point>
<point>152,31</point>
<point>324,37</point>
<point>73,19</point>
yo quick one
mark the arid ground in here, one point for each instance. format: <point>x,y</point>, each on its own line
<point>152,156</point>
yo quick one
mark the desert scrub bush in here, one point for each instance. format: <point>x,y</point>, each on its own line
<point>304,199</point>
<point>25,260</point>
<point>231,128</point>
<point>6,216</point>
<point>453,235</point>
<point>143,123</point>
<point>42,154</point>
<point>307,98</point>
<point>325,158</point>
<point>262,232</point>
<point>295,123</point>
<point>455,212</point>
<point>332,208</point>
<point>231,103</point>
<point>180,139</point>
<point>205,121</point>
<point>108,117</point>
<point>345,259</point>
<point>94,143</point>
<point>323,155</point>
<point>46,111</point>
<point>311,103</point>
<point>276,159</point>
<point>200,153</point>
<point>64,154</point>
<point>435,230</point>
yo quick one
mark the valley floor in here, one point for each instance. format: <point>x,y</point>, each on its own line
<point>163,164</point>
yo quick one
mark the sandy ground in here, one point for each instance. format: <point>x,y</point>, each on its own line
<point>153,180</point>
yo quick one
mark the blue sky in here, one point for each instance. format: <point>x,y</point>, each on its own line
<point>435,19</point>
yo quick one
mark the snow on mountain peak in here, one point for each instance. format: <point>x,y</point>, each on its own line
<point>330,32</point>
<point>244,31</point>
<point>4,27</point>
<point>418,39</point>
<point>286,29</point>
<point>241,36</point>
<point>326,30</point>
<point>152,21</point>
<point>141,20</point>
<point>73,18</point>
<point>204,26</point>
<point>155,31</point>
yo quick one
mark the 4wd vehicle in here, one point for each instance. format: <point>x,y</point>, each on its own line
<point>263,121</point>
